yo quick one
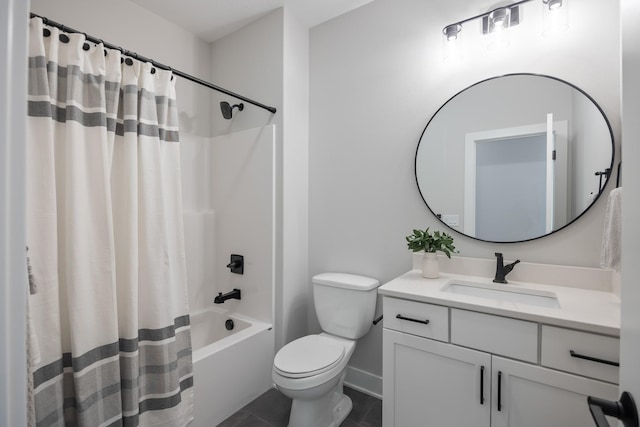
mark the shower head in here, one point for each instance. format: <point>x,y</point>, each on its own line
<point>227,110</point>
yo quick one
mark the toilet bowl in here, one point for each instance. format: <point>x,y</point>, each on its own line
<point>311,370</point>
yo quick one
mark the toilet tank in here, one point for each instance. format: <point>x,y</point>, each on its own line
<point>345,303</point>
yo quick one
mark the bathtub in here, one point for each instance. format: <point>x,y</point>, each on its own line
<point>230,367</point>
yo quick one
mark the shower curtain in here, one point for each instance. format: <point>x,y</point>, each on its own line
<point>105,238</point>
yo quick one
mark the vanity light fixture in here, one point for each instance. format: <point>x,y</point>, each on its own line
<point>451,31</point>
<point>552,4</point>
<point>452,43</point>
<point>496,22</point>
<point>502,18</point>
<point>555,17</point>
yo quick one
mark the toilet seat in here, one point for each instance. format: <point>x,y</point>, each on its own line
<point>308,356</point>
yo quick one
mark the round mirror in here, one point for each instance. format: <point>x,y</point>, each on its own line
<point>514,158</point>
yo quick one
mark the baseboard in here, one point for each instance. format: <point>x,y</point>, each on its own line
<point>363,381</point>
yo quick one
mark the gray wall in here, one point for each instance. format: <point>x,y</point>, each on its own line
<point>376,77</point>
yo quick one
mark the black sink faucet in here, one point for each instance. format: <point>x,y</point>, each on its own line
<point>235,294</point>
<point>502,270</point>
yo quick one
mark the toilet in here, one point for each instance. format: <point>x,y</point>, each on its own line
<point>311,369</point>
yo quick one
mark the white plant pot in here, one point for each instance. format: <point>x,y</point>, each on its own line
<point>430,267</point>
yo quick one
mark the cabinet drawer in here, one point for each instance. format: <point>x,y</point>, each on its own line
<point>559,343</point>
<point>417,318</point>
<point>498,335</point>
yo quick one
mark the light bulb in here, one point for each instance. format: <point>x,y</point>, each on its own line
<point>451,43</point>
<point>555,17</point>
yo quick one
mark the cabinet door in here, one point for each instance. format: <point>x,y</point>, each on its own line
<point>431,383</point>
<point>525,395</point>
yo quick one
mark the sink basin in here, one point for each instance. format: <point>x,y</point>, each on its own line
<point>503,293</point>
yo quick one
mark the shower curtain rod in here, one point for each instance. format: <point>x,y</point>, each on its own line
<point>178,73</point>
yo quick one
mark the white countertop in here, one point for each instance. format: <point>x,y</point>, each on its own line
<point>588,310</point>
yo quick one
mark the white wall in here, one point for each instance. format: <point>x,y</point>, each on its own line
<point>13,107</point>
<point>630,335</point>
<point>376,78</point>
<point>295,178</point>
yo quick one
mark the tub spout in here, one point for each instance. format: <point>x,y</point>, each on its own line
<point>235,294</point>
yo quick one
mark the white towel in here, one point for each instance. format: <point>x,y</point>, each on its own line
<point>611,253</point>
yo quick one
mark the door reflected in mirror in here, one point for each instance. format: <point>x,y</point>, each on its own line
<point>514,158</point>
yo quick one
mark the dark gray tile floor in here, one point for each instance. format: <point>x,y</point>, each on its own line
<point>272,410</point>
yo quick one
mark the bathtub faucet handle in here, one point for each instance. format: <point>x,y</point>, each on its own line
<point>236,264</point>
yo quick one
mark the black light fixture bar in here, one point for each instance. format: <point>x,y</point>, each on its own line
<point>157,64</point>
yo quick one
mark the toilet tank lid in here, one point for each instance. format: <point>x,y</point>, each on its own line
<point>346,281</point>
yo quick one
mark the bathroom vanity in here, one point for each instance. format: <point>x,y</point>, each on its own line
<point>463,351</point>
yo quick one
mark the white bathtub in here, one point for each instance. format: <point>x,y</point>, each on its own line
<point>230,368</point>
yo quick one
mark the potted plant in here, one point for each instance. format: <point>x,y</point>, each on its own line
<point>430,243</point>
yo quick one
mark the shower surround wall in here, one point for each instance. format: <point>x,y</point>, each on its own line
<point>237,171</point>
<point>230,210</point>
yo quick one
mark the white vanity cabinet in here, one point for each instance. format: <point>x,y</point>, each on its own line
<point>431,383</point>
<point>450,367</point>
<point>526,395</point>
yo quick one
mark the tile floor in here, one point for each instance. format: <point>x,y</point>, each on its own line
<point>272,410</point>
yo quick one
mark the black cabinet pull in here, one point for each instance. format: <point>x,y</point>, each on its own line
<point>401,317</point>
<point>499,390</point>
<point>625,410</point>
<point>592,359</point>
<point>482,385</point>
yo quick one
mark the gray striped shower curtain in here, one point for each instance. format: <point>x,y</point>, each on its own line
<point>110,342</point>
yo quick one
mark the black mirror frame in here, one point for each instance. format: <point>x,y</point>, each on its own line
<point>604,116</point>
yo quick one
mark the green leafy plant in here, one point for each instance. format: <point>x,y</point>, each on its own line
<point>431,242</point>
